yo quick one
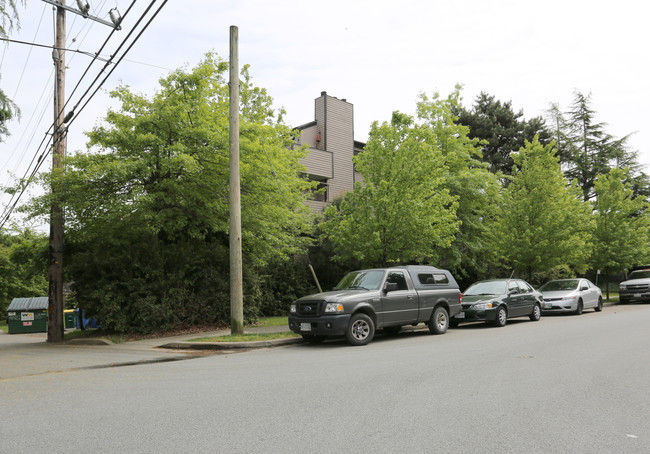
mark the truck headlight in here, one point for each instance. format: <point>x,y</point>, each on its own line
<point>292,309</point>
<point>333,308</point>
<point>623,287</point>
<point>482,306</point>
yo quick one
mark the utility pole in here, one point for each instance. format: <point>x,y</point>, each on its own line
<point>55,269</point>
<point>236,292</point>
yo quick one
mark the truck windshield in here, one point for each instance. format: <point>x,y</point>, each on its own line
<point>364,280</point>
<point>639,274</point>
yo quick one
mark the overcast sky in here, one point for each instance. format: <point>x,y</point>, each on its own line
<point>377,54</point>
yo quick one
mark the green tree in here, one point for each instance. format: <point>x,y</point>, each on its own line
<point>544,223</point>
<point>622,226</point>
<point>147,206</point>
<point>23,266</point>
<point>8,21</point>
<point>402,212</point>
<point>476,189</point>
<point>501,130</point>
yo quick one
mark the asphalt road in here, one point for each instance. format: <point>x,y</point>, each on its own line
<point>578,384</point>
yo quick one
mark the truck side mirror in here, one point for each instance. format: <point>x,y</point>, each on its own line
<point>390,287</point>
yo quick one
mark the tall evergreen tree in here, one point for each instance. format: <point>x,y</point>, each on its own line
<point>503,130</point>
<point>590,150</point>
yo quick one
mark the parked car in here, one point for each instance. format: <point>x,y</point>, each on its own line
<point>495,301</point>
<point>571,295</point>
<point>387,298</point>
<point>636,287</point>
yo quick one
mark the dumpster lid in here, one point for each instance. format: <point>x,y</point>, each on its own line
<point>28,304</point>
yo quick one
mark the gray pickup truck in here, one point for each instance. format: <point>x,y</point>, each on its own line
<point>386,298</point>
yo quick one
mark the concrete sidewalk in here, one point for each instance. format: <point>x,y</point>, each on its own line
<point>23,355</point>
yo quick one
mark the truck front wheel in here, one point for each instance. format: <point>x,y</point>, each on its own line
<point>439,321</point>
<point>361,330</point>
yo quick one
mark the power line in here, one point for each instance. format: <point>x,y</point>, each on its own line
<point>26,181</point>
<point>49,46</point>
<point>45,88</point>
<point>28,55</point>
<point>10,206</point>
<point>22,74</point>
<point>112,57</point>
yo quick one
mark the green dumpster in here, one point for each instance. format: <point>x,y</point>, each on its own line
<point>27,315</point>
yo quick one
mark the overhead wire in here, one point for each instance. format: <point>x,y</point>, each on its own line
<point>22,74</point>
<point>87,26</point>
<point>26,180</point>
<point>46,101</point>
<point>47,87</point>
<point>11,206</point>
<point>29,54</point>
<point>48,46</point>
<point>138,22</point>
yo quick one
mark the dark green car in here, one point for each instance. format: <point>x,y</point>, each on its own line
<point>497,300</point>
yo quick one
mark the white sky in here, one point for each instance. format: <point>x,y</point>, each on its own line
<point>377,54</point>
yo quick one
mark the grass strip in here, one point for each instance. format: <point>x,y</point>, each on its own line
<point>273,321</point>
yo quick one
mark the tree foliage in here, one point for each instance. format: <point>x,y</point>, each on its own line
<point>402,212</point>
<point>147,205</point>
<point>23,266</point>
<point>467,179</point>
<point>544,223</point>
<point>8,21</point>
<point>501,130</point>
<point>9,16</point>
<point>622,225</point>
<point>588,150</point>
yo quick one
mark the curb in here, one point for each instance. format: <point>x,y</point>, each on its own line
<point>231,345</point>
<point>90,341</point>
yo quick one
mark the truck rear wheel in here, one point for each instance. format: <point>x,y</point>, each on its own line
<point>439,321</point>
<point>361,330</point>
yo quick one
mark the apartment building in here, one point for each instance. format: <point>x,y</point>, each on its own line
<point>330,138</point>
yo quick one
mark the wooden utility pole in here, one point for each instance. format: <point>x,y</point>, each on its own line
<point>55,269</point>
<point>236,292</point>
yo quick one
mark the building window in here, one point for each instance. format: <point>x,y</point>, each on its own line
<point>319,194</point>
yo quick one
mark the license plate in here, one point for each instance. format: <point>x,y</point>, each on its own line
<point>460,315</point>
<point>548,305</point>
<point>637,295</point>
<point>305,327</point>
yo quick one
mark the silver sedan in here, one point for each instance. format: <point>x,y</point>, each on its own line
<point>571,295</point>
